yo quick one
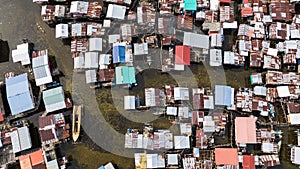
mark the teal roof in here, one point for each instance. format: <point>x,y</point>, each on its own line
<point>53,96</point>
<point>190,5</point>
<point>125,75</point>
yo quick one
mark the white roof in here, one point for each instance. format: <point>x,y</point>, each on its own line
<point>77,29</point>
<point>295,34</point>
<point>267,147</point>
<point>116,11</point>
<point>95,44</point>
<point>80,7</point>
<point>183,112</point>
<point>113,38</point>
<point>150,99</point>
<point>61,31</point>
<point>283,91</point>
<point>109,166</point>
<point>215,57</point>
<point>230,25</point>
<point>172,159</point>
<point>25,139</point>
<point>172,111</point>
<point>151,160</point>
<point>296,159</point>
<point>41,69</point>
<point>272,52</point>
<point>214,5</point>
<point>196,40</point>
<point>140,48</point>
<point>129,102</point>
<point>189,162</point>
<point>209,102</point>
<point>106,23</point>
<point>91,60</point>
<point>216,40</point>
<point>181,93</point>
<point>181,142</point>
<point>21,139</point>
<point>209,125</point>
<point>294,118</point>
<point>52,164</point>
<point>90,76</point>
<point>79,62</point>
<point>15,141</point>
<point>21,54</point>
<point>40,1</point>
<point>60,10</point>
<point>185,128</point>
<point>179,67</point>
<point>228,57</point>
<point>104,59</point>
<point>260,90</point>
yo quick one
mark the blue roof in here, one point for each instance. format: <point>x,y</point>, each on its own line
<point>118,54</point>
<point>102,167</point>
<point>18,94</point>
<point>223,95</point>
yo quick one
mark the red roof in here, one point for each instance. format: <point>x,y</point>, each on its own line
<point>30,160</point>
<point>247,12</point>
<point>226,156</point>
<point>182,55</point>
<point>248,162</point>
<point>1,116</point>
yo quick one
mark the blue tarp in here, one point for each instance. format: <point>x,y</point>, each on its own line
<point>18,94</point>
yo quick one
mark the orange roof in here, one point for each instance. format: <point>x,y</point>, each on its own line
<point>226,156</point>
<point>32,159</point>
<point>36,157</point>
<point>245,130</point>
<point>247,12</point>
<point>248,162</point>
<point>225,1</point>
<point>25,162</point>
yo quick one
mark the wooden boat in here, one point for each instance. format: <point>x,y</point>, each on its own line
<point>76,122</point>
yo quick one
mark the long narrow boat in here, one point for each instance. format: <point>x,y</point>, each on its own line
<point>76,122</point>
